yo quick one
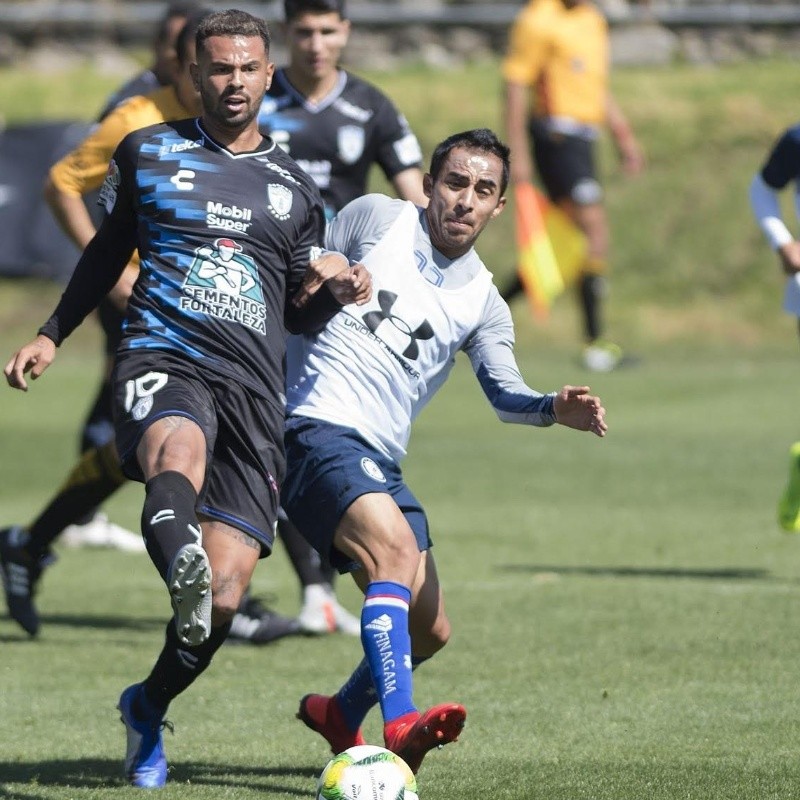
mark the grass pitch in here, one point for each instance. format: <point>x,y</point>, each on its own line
<point>623,610</point>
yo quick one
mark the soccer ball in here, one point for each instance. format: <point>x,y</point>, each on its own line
<point>366,772</point>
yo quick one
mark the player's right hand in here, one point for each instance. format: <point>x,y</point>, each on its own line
<point>35,357</point>
<point>789,255</point>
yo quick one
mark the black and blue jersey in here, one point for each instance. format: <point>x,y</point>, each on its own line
<point>224,241</point>
<point>337,140</point>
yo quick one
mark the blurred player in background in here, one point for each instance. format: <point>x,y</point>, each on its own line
<point>782,167</point>
<point>556,101</point>
<point>198,383</point>
<point>336,126</point>
<point>94,528</point>
<point>24,551</point>
<point>353,390</point>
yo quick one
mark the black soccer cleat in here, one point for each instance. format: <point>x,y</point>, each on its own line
<point>20,574</point>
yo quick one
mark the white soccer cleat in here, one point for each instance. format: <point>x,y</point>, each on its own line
<point>322,613</point>
<point>101,532</point>
<point>190,589</point>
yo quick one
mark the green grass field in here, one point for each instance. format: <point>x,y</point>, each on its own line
<point>623,610</point>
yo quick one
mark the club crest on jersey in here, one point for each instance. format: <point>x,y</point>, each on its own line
<point>372,470</point>
<point>350,141</point>
<point>223,282</point>
<point>280,200</point>
<point>110,187</point>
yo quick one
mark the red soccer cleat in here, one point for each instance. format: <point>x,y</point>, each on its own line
<point>412,735</point>
<point>323,715</point>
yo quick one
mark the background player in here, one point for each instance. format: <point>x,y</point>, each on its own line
<point>336,126</point>
<point>94,528</point>
<point>351,399</point>
<point>781,167</point>
<point>559,53</point>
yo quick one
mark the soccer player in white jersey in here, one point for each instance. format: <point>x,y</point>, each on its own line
<point>353,390</point>
<point>781,168</point>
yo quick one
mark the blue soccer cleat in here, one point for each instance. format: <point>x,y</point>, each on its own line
<point>145,762</point>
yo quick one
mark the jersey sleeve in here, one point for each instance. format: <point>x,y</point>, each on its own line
<point>527,48</point>
<point>398,147</point>
<point>355,230</point>
<point>105,257</point>
<point>84,169</point>
<point>783,162</point>
<point>491,352</point>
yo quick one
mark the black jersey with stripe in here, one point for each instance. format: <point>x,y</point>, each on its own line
<point>337,140</point>
<point>224,240</point>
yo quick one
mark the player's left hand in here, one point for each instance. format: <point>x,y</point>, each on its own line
<point>352,286</point>
<point>576,408</point>
<point>319,270</point>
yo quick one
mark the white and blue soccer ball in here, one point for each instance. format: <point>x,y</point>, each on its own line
<point>367,772</point>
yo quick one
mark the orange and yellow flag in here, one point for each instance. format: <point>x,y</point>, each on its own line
<point>550,248</point>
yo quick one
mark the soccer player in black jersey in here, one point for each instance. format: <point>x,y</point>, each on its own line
<point>225,224</point>
<point>336,126</point>
<point>333,123</point>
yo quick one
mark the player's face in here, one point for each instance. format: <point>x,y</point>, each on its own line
<point>463,197</point>
<point>315,43</point>
<point>164,50</point>
<point>232,75</point>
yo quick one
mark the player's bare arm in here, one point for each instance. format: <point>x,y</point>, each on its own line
<point>35,357</point>
<point>576,408</point>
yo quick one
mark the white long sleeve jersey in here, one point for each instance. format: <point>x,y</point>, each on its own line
<point>374,367</point>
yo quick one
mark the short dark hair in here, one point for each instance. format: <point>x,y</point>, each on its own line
<point>294,8</point>
<point>174,11</point>
<point>188,33</point>
<point>481,139</point>
<point>232,23</point>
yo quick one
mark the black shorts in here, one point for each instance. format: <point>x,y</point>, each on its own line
<point>566,165</point>
<point>244,436</point>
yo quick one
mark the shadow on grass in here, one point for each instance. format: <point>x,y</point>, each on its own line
<point>731,574</point>
<point>97,773</point>
<point>104,622</point>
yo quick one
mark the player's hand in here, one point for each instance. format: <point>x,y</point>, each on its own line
<point>789,255</point>
<point>352,286</point>
<point>319,270</point>
<point>35,357</point>
<point>576,408</point>
<point>631,157</point>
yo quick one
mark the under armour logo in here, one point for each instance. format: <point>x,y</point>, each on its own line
<point>373,319</point>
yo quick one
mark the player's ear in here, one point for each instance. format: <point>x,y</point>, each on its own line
<point>501,204</point>
<point>194,71</point>
<point>427,184</point>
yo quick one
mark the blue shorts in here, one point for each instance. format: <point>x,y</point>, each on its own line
<point>327,468</point>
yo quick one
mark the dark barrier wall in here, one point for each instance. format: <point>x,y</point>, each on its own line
<point>31,243</point>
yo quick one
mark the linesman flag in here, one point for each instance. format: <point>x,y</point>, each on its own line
<point>550,248</point>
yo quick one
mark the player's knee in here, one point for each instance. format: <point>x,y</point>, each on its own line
<point>226,595</point>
